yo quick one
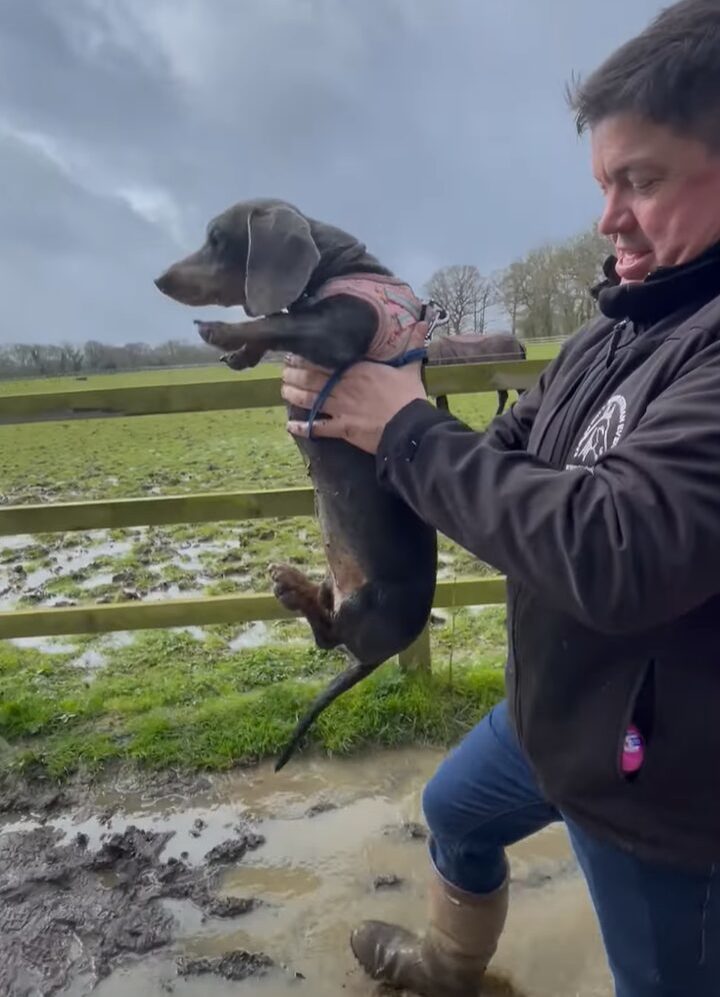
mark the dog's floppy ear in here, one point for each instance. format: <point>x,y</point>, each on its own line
<point>281,257</point>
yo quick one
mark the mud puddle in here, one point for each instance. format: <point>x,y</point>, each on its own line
<point>47,645</point>
<point>17,542</point>
<point>65,561</point>
<point>263,874</point>
<point>256,634</point>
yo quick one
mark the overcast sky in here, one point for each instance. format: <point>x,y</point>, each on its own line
<point>434,130</point>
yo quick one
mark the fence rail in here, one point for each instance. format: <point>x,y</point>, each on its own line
<point>205,610</point>
<point>204,396</point>
<point>208,507</point>
<point>241,393</point>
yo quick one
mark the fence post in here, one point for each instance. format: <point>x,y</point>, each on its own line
<point>416,658</point>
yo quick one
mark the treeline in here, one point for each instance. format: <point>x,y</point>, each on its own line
<point>33,360</point>
<point>544,295</point>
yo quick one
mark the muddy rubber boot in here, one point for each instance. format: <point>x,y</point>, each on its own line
<point>451,958</point>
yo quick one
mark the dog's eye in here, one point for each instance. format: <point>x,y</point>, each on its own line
<point>215,239</point>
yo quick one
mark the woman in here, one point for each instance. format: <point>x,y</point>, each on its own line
<point>598,496</point>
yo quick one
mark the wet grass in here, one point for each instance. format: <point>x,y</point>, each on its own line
<point>171,699</point>
<point>201,700</point>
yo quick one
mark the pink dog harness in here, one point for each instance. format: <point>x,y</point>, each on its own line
<point>399,312</point>
<point>401,334</point>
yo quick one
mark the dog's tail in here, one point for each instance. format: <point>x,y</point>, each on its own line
<point>354,673</point>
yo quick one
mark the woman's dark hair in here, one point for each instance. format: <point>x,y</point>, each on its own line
<point>668,74</point>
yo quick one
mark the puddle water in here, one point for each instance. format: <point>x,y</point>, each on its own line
<point>65,561</point>
<point>94,657</point>
<point>37,578</point>
<point>18,542</point>
<point>121,638</point>
<point>90,660</point>
<point>197,632</point>
<point>8,600</point>
<point>190,562</point>
<point>446,565</point>
<point>175,592</point>
<point>256,635</point>
<point>77,558</point>
<point>196,548</point>
<point>316,876</point>
<point>95,581</point>
<point>240,580</point>
<point>44,644</point>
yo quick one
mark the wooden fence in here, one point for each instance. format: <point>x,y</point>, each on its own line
<point>203,396</point>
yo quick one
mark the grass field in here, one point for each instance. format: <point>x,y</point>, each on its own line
<point>221,695</point>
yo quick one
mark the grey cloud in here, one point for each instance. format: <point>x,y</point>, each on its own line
<point>435,132</point>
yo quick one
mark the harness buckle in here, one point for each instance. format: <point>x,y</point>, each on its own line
<point>438,318</point>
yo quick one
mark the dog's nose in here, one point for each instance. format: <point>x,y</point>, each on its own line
<point>167,282</point>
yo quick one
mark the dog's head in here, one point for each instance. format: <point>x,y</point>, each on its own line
<point>259,254</point>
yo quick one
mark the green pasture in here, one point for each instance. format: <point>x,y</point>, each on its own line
<point>223,695</point>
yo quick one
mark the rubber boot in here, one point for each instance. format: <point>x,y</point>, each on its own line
<point>451,958</point>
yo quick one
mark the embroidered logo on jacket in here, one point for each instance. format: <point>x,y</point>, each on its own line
<point>603,433</point>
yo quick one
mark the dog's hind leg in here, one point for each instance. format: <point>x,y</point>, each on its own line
<point>367,625</point>
<point>375,622</point>
<point>380,619</point>
<point>299,594</point>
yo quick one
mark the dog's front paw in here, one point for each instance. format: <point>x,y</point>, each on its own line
<point>211,332</point>
<point>242,359</point>
<point>247,356</point>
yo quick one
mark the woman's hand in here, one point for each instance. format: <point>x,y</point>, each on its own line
<point>360,405</point>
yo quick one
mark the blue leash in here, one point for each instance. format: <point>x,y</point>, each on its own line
<point>405,358</point>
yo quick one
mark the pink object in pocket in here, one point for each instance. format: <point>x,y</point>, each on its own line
<point>633,750</point>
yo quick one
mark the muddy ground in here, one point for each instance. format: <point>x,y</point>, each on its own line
<point>251,882</point>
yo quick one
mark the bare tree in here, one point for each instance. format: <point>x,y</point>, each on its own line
<point>21,355</point>
<point>487,296</point>
<point>511,291</point>
<point>465,294</point>
<point>579,262</point>
<point>547,293</point>
<point>95,354</point>
<point>73,357</point>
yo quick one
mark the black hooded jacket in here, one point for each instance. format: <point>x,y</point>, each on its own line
<point>598,496</point>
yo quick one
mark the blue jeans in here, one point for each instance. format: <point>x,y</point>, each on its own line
<point>660,925</point>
